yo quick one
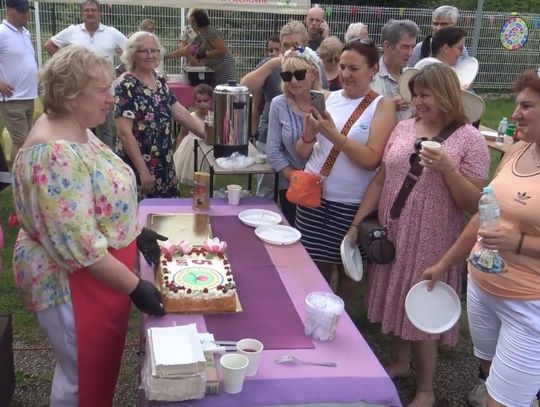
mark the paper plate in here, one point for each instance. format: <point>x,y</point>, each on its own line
<point>467,70</point>
<point>489,134</point>
<point>259,217</point>
<point>352,259</point>
<point>434,311</point>
<point>278,234</point>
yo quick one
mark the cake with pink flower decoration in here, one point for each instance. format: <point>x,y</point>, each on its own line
<point>197,279</point>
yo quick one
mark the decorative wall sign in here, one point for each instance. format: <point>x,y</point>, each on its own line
<point>514,33</point>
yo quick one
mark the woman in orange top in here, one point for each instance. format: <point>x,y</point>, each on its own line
<point>504,308</point>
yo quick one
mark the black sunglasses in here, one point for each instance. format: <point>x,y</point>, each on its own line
<point>364,41</point>
<point>414,159</point>
<point>300,75</point>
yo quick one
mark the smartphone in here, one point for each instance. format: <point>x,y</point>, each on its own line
<point>317,101</point>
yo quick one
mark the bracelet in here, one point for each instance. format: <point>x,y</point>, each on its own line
<point>520,243</point>
<point>342,143</point>
<point>308,141</point>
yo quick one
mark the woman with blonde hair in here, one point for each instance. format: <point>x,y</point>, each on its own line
<point>426,223</point>
<point>300,74</point>
<point>144,107</point>
<point>329,52</point>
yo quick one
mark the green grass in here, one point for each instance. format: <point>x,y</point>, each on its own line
<point>25,328</point>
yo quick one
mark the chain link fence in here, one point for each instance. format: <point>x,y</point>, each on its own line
<point>246,33</point>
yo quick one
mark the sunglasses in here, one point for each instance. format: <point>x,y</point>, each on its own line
<point>364,41</point>
<point>414,159</point>
<point>299,75</point>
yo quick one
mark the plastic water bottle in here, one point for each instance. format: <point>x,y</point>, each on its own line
<point>489,212</point>
<point>501,131</point>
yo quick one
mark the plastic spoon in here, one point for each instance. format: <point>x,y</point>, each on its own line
<point>292,360</point>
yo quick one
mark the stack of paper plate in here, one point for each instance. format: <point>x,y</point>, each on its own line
<point>352,259</point>
<point>278,234</point>
<point>259,217</point>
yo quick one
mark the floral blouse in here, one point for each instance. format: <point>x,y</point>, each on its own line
<point>151,113</point>
<point>73,201</point>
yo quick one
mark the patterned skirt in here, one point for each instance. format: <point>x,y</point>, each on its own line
<point>324,228</point>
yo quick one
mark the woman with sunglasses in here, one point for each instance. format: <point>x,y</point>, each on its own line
<point>359,156</point>
<point>144,107</point>
<point>329,52</point>
<point>300,74</point>
<point>431,217</point>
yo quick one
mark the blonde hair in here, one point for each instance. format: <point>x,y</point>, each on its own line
<point>66,74</point>
<point>293,62</point>
<point>444,83</point>
<point>330,48</point>
<point>294,27</point>
<point>128,56</point>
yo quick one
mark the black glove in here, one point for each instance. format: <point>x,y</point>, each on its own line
<point>201,54</point>
<point>148,246</point>
<point>147,299</point>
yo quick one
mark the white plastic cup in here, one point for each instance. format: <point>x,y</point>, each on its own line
<point>251,349</point>
<point>233,367</point>
<point>430,144</point>
<point>323,310</point>
<point>233,192</point>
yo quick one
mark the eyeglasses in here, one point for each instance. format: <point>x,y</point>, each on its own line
<point>151,51</point>
<point>364,41</point>
<point>299,75</point>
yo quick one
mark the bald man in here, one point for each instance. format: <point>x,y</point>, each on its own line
<point>316,27</point>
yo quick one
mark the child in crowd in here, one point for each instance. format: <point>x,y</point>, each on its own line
<point>203,96</point>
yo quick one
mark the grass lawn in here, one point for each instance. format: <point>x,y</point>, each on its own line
<point>25,328</point>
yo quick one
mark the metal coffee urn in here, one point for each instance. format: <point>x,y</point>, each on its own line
<point>232,119</point>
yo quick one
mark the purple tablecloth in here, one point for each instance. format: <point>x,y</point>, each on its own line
<point>263,297</point>
<point>358,376</point>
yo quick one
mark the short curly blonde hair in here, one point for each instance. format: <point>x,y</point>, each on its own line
<point>128,56</point>
<point>330,48</point>
<point>66,74</point>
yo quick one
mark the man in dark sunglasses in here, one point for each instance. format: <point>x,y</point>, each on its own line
<point>265,80</point>
<point>398,39</point>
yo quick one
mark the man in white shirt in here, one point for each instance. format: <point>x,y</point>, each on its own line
<point>18,73</point>
<point>398,39</point>
<point>99,38</point>
<point>443,16</point>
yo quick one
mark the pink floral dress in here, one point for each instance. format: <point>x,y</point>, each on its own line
<point>429,224</point>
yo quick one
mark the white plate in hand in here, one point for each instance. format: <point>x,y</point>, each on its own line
<point>259,217</point>
<point>489,134</point>
<point>352,259</point>
<point>434,311</point>
<point>278,234</point>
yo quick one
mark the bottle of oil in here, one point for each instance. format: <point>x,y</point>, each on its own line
<point>201,191</point>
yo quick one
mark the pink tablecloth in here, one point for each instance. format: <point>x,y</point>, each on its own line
<point>183,93</point>
<point>359,375</point>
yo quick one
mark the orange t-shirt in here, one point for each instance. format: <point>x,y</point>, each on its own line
<point>519,198</point>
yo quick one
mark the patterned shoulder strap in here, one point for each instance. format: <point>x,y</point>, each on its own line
<point>362,106</point>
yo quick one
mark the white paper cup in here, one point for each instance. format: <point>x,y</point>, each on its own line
<point>233,192</point>
<point>251,349</point>
<point>430,144</point>
<point>323,310</point>
<point>233,367</point>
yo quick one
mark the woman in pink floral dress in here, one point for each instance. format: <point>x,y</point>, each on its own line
<point>431,219</point>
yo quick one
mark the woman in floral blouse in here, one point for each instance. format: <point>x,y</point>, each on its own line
<point>144,108</point>
<point>76,203</point>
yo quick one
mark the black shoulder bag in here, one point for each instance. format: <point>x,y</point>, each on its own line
<point>374,237</point>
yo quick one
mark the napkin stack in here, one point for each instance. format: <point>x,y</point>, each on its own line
<point>175,367</point>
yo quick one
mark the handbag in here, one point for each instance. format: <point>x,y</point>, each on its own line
<point>372,235</point>
<point>305,188</point>
<point>374,240</point>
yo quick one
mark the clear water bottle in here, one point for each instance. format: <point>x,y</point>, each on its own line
<point>489,212</point>
<point>501,131</point>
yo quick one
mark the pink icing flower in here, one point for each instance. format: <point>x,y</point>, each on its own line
<point>185,247</point>
<point>166,253</point>
<point>215,245</point>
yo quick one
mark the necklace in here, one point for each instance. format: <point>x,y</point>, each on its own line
<point>300,108</point>
<point>533,154</point>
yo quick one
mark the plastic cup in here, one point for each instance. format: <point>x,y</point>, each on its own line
<point>251,349</point>
<point>233,367</point>
<point>322,315</point>
<point>233,191</point>
<point>430,144</point>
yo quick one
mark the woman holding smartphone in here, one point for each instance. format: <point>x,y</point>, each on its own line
<point>359,155</point>
<point>300,74</point>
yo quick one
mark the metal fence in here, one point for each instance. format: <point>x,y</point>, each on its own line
<point>246,32</point>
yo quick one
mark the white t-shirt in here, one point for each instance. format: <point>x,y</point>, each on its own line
<point>347,182</point>
<point>105,41</point>
<point>18,66</point>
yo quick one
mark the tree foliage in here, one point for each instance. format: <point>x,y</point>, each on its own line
<point>489,5</point>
